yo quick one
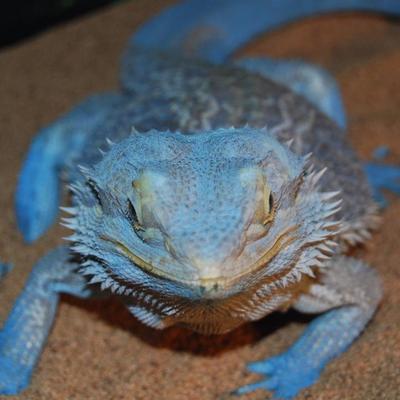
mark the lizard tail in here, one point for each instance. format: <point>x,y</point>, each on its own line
<point>213,30</point>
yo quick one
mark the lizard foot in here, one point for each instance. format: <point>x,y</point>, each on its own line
<point>13,378</point>
<point>286,376</point>
<point>381,176</point>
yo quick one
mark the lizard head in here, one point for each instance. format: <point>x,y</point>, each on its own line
<point>200,222</point>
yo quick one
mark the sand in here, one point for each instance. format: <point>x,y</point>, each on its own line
<point>96,350</point>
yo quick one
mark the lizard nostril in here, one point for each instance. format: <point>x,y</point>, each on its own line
<point>208,289</point>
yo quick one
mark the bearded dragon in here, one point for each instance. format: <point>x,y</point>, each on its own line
<point>204,194</point>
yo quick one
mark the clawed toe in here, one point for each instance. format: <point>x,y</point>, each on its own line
<point>284,376</point>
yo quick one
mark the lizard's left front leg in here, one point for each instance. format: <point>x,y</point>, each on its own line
<point>26,329</point>
<point>351,291</point>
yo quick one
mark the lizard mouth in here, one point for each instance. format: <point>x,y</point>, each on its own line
<point>204,283</point>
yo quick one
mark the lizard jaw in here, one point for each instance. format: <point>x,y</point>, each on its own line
<point>210,283</point>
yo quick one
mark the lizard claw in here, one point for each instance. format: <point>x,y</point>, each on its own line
<point>267,384</point>
<point>286,376</point>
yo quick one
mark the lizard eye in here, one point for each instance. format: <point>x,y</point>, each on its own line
<point>268,208</point>
<point>270,201</point>
<point>133,218</point>
<point>91,184</point>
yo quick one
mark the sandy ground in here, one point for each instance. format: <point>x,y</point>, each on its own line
<point>96,349</point>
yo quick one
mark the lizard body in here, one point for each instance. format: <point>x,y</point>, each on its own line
<point>199,212</point>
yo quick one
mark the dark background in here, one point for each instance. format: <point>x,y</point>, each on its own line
<point>22,18</point>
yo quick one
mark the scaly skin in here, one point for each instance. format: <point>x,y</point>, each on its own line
<point>204,208</point>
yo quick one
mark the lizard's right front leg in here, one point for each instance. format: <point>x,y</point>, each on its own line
<point>348,292</point>
<point>54,147</point>
<point>26,329</point>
